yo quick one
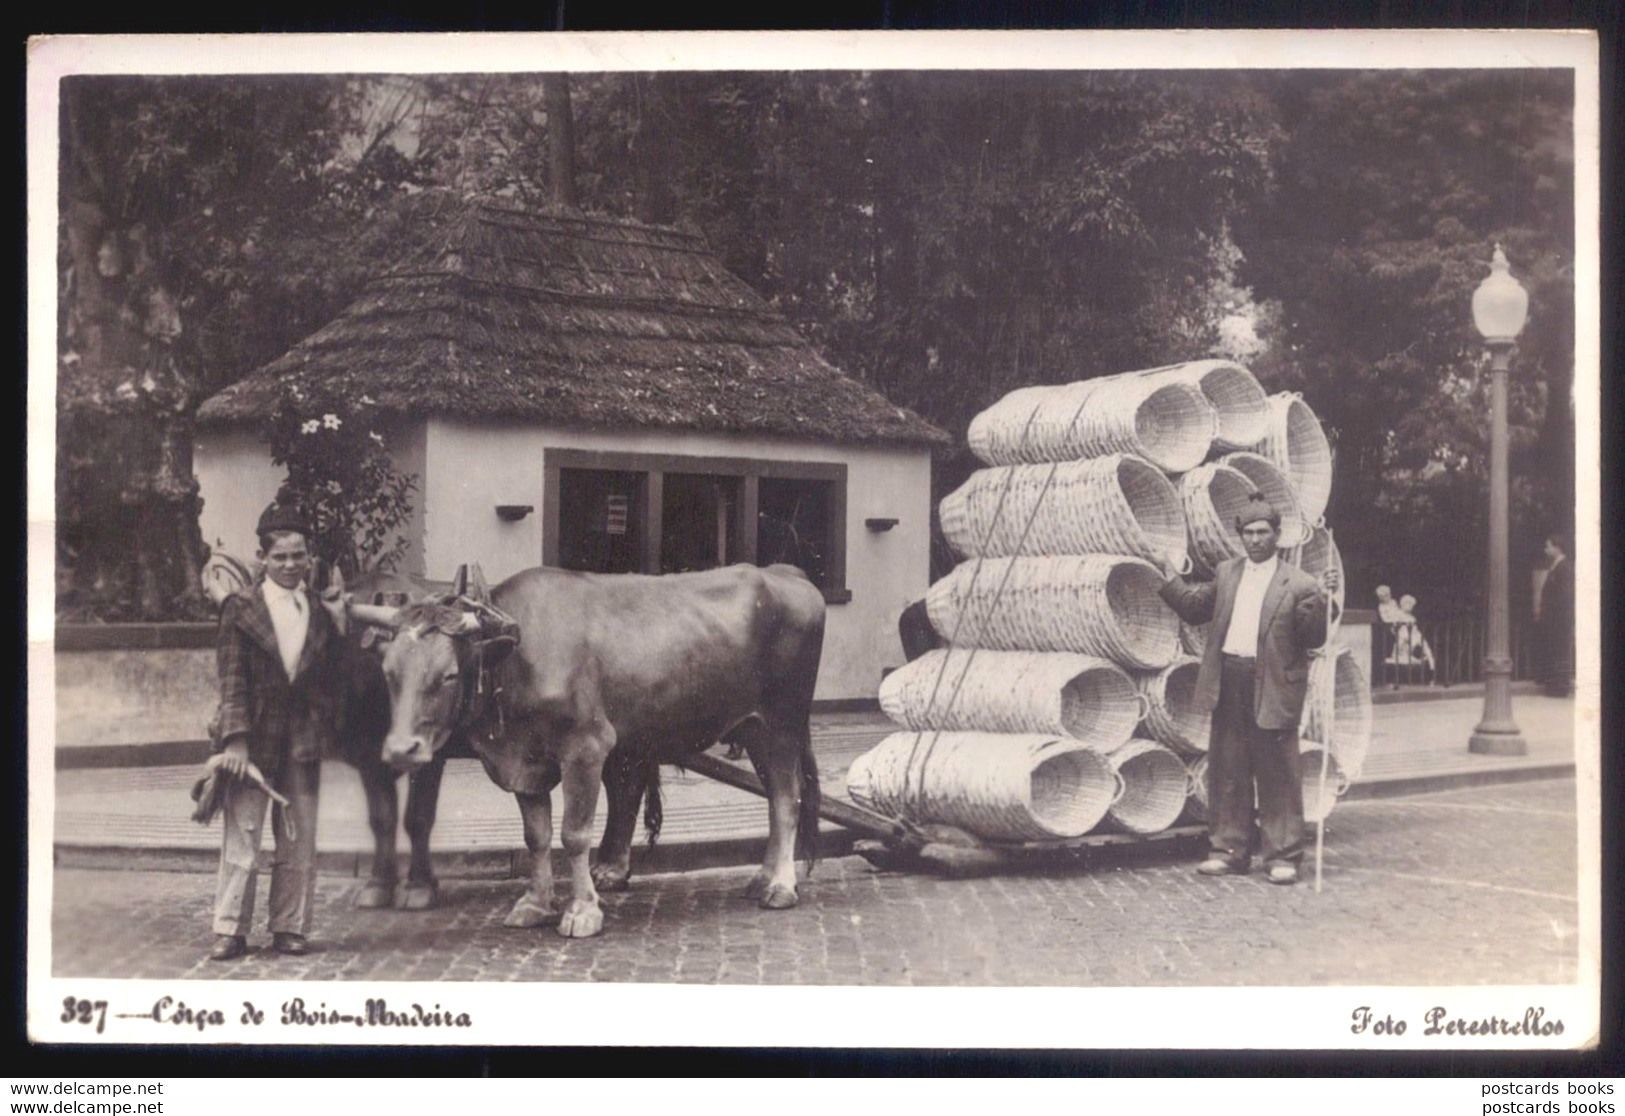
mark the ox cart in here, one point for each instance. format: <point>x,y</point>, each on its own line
<point>897,845</point>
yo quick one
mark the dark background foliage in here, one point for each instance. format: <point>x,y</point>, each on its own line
<point>945,237</point>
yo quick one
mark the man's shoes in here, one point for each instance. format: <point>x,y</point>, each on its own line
<point>1221,866</point>
<point>294,945</point>
<point>228,947</point>
<point>1283,874</point>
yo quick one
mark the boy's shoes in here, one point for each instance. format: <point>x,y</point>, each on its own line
<point>295,945</point>
<point>228,947</point>
<point>1221,866</point>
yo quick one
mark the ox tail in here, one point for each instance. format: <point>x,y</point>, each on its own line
<point>812,796</point>
<point>654,811</point>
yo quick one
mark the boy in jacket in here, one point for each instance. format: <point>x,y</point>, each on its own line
<point>278,710</point>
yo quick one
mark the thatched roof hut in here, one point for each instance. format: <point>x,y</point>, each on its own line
<point>590,322</point>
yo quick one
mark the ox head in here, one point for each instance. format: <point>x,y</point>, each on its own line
<point>434,667</point>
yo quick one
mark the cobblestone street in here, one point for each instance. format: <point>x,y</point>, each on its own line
<point>1472,886</point>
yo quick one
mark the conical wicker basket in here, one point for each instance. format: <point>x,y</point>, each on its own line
<point>1155,787</point>
<point>1213,495</point>
<point>1317,556</point>
<point>1351,709</point>
<point>1243,408</point>
<point>1005,787</point>
<point>1170,423</point>
<point>1196,804</point>
<point>1097,604</point>
<point>1193,638</point>
<point>1297,445</point>
<point>1316,806</point>
<point>1117,504</point>
<point>1171,717</point>
<point>1272,484</point>
<point>1076,696</point>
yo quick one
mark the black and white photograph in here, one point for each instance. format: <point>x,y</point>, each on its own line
<point>1060,539</point>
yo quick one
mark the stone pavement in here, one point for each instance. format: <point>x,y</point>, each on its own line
<point>138,817</point>
<point>1463,887</point>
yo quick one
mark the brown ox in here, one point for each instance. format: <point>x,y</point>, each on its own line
<point>610,676</point>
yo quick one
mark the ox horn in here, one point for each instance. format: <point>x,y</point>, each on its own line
<point>383,616</point>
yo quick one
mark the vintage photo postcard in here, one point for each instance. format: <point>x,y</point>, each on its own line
<point>1009,540</point>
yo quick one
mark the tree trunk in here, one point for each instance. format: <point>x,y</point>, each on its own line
<point>652,149</point>
<point>561,144</point>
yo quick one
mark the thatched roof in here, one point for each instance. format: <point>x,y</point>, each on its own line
<point>507,314</point>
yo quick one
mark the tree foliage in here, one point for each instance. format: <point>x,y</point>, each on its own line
<point>944,236</point>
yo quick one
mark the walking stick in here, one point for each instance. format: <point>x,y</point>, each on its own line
<point>1328,705</point>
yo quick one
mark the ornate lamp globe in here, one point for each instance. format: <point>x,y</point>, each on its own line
<point>1500,304</point>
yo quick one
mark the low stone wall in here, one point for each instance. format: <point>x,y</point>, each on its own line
<point>133,692</point>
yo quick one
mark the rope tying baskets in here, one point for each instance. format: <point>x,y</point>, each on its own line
<point>1171,717</point>
<point>1351,709</point>
<point>1097,604</point>
<point>1196,804</point>
<point>1317,556</point>
<point>1075,696</point>
<point>1316,807</point>
<point>1298,447</point>
<point>1010,787</point>
<point>1213,495</point>
<point>1155,787</point>
<point>1117,504</point>
<point>1168,422</point>
<point>1272,484</point>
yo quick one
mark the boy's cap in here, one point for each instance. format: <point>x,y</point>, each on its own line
<point>282,517</point>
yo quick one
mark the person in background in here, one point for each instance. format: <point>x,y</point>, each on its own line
<point>1413,647</point>
<point>1267,614</point>
<point>1554,619</point>
<point>1388,616</point>
<point>276,654</point>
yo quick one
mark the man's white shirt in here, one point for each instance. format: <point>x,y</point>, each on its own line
<point>1247,614</point>
<point>290,616</point>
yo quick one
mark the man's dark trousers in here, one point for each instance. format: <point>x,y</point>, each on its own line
<point>1240,752</point>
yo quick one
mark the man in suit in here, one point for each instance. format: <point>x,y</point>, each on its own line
<point>278,710</point>
<point>1554,619</point>
<point>1266,616</point>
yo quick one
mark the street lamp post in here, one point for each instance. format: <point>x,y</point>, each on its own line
<point>1500,305</point>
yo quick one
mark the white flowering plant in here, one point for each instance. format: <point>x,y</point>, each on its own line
<point>341,475</point>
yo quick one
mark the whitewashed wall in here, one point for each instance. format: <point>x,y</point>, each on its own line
<point>465,469</point>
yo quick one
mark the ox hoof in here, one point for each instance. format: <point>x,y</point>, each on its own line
<point>777,897</point>
<point>528,913</point>
<point>581,920</point>
<point>758,885</point>
<point>420,896</point>
<point>605,878</point>
<point>376,896</point>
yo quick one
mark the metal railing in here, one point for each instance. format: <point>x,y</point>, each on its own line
<point>1445,652</point>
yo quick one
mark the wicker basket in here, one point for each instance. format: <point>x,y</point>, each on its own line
<point>1316,807</point>
<point>1272,484</point>
<point>1213,495</point>
<point>1097,604</point>
<point>1243,409</point>
<point>1298,447</point>
<point>1155,787</point>
<point>1007,787</point>
<point>1076,696</point>
<point>1351,709</point>
<point>1166,421</point>
<point>1193,638</point>
<point>1317,556</point>
<point>1171,717</point>
<point>1117,504</point>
